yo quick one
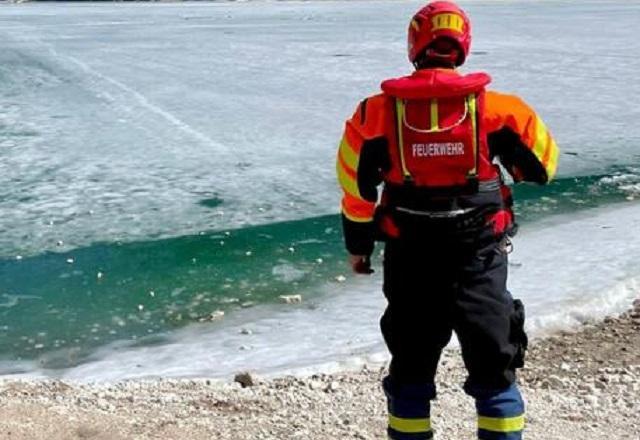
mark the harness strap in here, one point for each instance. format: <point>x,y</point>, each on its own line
<point>413,200</point>
<point>400,117</point>
<point>434,115</point>
<point>435,127</point>
<point>471,103</point>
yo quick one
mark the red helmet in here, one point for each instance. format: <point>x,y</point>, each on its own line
<point>439,19</point>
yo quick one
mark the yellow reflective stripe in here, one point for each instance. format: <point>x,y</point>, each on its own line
<point>474,129</point>
<point>510,424</point>
<point>541,139</point>
<point>552,165</point>
<point>347,182</point>
<point>448,21</point>
<point>434,115</point>
<point>348,155</point>
<point>400,124</point>
<point>355,218</point>
<point>409,426</point>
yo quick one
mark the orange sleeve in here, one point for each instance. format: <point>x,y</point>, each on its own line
<point>366,123</point>
<point>507,115</point>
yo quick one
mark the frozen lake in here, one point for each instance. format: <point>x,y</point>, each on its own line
<point>162,161</point>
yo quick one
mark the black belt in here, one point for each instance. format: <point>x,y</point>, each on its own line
<point>443,202</point>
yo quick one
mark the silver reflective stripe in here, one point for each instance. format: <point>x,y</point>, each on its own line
<point>437,214</point>
<point>489,185</point>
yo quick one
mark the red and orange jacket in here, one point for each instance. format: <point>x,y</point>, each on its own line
<point>515,135</point>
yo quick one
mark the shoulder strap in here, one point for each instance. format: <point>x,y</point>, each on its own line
<point>472,105</point>
<point>400,118</point>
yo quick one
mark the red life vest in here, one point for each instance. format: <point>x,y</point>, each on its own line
<point>441,143</point>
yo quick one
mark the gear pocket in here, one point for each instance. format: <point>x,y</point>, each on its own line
<point>518,337</point>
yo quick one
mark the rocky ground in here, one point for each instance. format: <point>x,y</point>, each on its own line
<point>580,385</point>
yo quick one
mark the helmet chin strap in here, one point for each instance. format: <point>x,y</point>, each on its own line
<point>451,57</point>
<point>433,59</point>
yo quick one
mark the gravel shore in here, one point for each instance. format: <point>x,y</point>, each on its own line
<point>578,385</point>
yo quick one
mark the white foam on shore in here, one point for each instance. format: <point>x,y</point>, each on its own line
<point>573,269</point>
<point>566,269</point>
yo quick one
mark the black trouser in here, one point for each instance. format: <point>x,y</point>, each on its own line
<point>437,285</point>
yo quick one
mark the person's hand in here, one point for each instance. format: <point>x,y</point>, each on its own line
<point>360,264</point>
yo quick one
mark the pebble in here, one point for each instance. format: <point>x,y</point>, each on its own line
<point>245,379</point>
<point>213,316</point>
<point>333,386</point>
<point>590,400</point>
<point>290,299</point>
<point>553,382</point>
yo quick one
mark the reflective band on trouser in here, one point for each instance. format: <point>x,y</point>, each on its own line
<point>500,415</point>
<point>409,426</point>
<point>409,410</point>
<point>409,429</point>
<point>490,428</point>
<point>501,425</point>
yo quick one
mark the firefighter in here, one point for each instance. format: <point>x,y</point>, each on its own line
<point>433,140</point>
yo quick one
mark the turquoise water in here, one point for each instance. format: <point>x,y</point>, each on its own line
<point>150,177</point>
<point>57,307</point>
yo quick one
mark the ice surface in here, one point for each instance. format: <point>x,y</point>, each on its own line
<point>119,122</point>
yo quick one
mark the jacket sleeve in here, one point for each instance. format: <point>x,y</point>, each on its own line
<point>519,138</point>
<point>360,162</point>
